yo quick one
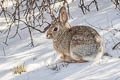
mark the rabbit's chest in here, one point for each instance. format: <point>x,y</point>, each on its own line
<point>62,46</point>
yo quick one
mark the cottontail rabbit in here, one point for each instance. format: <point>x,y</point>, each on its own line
<point>77,43</point>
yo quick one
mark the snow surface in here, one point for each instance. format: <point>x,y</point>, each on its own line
<point>42,62</point>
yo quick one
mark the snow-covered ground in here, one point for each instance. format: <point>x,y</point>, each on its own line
<point>40,61</point>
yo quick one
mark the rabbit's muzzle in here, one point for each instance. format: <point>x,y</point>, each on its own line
<point>49,36</point>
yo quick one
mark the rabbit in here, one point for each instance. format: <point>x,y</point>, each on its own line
<point>76,43</point>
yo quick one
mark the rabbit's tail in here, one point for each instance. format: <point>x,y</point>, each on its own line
<point>100,54</point>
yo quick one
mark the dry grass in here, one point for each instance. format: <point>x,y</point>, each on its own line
<point>19,69</point>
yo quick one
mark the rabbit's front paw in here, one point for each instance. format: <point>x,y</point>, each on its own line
<point>67,59</point>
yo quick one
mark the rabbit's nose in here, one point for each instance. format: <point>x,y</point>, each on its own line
<point>48,36</point>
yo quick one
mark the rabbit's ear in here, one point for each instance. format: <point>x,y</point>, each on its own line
<point>63,17</point>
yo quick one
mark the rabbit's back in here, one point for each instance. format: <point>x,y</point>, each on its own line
<point>85,41</point>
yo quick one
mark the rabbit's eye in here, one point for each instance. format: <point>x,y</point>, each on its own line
<point>55,29</point>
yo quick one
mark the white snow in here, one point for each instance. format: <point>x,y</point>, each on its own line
<point>42,62</point>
